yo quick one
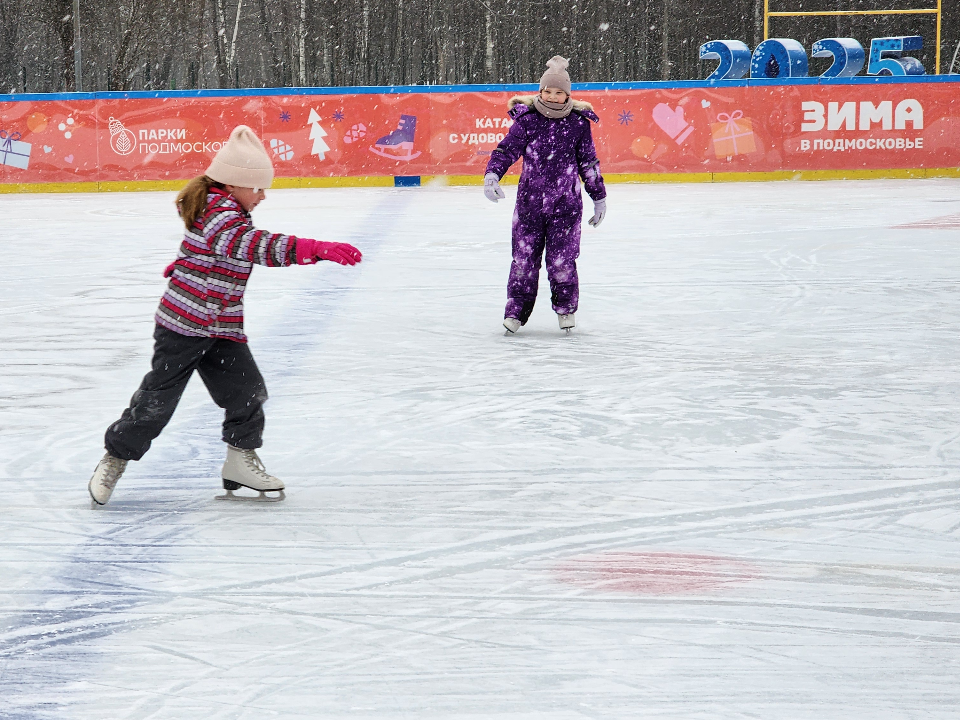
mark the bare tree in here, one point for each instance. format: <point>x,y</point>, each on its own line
<point>133,44</point>
<point>220,43</point>
<point>134,26</point>
<point>57,17</point>
<point>275,74</point>
<point>11,78</point>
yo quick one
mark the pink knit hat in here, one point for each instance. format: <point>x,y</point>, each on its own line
<point>242,161</point>
<point>556,75</point>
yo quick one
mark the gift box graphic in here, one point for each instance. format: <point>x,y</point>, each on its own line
<point>13,152</point>
<point>733,135</point>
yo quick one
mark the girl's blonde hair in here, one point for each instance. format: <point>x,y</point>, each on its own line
<point>192,200</point>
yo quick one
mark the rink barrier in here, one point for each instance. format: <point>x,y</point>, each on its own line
<point>690,131</point>
<point>476,180</point>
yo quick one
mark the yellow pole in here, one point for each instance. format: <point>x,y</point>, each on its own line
<point>832,13</point>
<point>939,19</point>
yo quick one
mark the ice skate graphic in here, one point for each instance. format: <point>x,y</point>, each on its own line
<point>398,145</point>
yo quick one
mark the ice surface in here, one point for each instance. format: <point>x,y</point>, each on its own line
<point>732,492</point>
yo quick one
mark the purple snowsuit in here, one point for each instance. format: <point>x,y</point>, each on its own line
<point>556,154</point>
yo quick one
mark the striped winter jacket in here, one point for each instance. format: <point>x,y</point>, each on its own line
<point>205,295</point>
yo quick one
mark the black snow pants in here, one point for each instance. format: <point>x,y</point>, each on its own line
<point>228,370</point>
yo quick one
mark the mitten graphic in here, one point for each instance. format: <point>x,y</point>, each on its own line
<point>672,122</point>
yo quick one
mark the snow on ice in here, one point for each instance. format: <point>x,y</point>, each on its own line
<point>732,492</point>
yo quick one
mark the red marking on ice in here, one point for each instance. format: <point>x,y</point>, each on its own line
<point>655,573</point>
<point>944,222</point>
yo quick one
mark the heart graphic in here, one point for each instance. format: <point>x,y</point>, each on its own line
<point>47,148</point>
<point>672,122</point>
<point>704,103</point>
<point>69,158</point>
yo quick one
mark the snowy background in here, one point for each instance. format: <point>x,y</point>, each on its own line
<point>732,492</point>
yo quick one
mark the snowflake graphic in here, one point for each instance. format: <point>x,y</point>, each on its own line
<point>284,116</point>
<point>625,118</point>
<point>338,116</point>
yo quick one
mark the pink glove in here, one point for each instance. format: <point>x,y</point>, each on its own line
<point>310,251</point>
<point>169,269</point>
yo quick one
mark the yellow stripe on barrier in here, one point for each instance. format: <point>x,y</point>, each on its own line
<point>334,182</point>
<point>139,185</point>
<point>462,180</point>
<point>49,187</point>
<point>658,177</point>
<point>893,174</point>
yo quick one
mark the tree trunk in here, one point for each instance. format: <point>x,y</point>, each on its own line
<point>219,40</point>
<point>665,33</point>
<point>757,22</point>
<point>200,45</point>
<point>302,44</point>
<point>120,76</point>
<point>488,55</point>
<point>57,15</point>
<point>269,37</point>
<point>10,67</point>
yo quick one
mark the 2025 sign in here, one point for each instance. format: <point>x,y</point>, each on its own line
<point>784,58</point>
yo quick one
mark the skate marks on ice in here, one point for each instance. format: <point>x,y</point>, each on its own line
<point>413,600</point>
<point>494,548</point>
<point>700,526</point>
<point>98,594</point>
<point>77,328</point>
<point>491,605</point>
<point>738,390</point>
<point>81,578</point>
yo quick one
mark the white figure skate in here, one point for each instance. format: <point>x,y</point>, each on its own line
<point>567,322</point>
<point>243,468</point>
<point>104,479</point>
<point>512,325</point>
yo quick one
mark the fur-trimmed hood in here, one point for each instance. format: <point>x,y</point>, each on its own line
<point>523,104</point>
<point>527,100</point>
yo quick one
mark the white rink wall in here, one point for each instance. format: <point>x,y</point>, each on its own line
<point>732,492</point>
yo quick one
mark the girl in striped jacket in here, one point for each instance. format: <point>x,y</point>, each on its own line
<point>199,324</point>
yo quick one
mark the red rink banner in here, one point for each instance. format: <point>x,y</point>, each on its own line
<point>690,130</point>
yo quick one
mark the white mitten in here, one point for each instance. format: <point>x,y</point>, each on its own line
<point>599,212</point>
<point>491,187</point>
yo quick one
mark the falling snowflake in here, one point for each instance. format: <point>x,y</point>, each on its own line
<point>284,116</point>
<point>338,115</point>
<point>625,118</point>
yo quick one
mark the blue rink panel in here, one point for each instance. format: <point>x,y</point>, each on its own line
<point>518,87</point>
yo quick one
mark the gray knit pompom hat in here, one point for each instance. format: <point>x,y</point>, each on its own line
<point>556,75</point>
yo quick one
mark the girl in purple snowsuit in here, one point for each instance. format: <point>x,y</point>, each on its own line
<point>551,131</point>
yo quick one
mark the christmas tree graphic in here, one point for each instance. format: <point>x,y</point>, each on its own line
<point>317,134</point>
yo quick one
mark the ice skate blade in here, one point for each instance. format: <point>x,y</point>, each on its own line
<point>261,498</point>
<point>230,486</point>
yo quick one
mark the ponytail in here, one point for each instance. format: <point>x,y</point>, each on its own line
<point>192,200</point>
